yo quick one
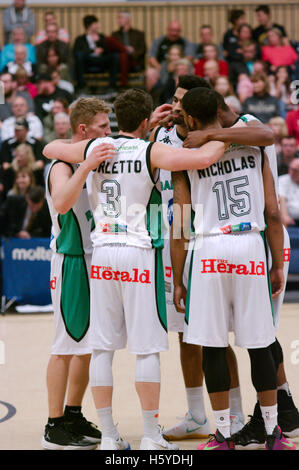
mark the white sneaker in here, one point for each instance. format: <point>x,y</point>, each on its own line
<point>160,444</point>
<point>189,428</point>
<point>236,424</point>
<point>108,443</point>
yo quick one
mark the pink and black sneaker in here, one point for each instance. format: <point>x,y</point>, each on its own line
<point>277,441</point>
<point>217,442</point>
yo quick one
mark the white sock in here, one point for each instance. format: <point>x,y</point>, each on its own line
<point>284,387</point>
<point>150,423</point>
<point>269,414</point>
<point>196,404</point>
<point>235,402</point>
<point>222,421</point>
<point>108,428</point>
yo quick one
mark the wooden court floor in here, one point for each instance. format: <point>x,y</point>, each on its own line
<point>26,342</point>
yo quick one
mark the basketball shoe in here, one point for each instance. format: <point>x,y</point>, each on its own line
<point>58,437</point>
<point>288,415</point>
<point>78,424</point>
<point>157,444</point>
<point>217,442</point>
<point>236,424</point>
<point>277,441</point>
<point>108,443</point>
<point>189,428</point>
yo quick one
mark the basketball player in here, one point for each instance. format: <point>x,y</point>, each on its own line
<point>233,194</point>
<point>127,286</point>
<point>253,434</point>
<point>70,264</point>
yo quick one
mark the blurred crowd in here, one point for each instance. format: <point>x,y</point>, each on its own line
<point>42,72</point>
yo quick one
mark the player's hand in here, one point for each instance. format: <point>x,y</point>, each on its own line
<point>179,295</point>
<point>160,114</point>
<point>277,281</point>
<point>99,154</point>
<point>195,139</point>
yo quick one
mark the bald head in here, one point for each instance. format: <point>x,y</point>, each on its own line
<point>174,30</point>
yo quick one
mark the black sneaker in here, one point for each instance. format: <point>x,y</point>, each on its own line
<point>77,424</point>
<point>58,437</point>
<point>288,421</point>
<point>252,435</point>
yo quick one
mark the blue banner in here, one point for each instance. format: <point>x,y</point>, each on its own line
<point>26,270</point>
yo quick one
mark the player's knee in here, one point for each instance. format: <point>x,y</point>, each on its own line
<point>216,370</point>
<point>100,369</point>
<point>148,368</point>
<point>263,371</point>
<point>277,353</point>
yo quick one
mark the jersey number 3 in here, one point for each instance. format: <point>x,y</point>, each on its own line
<point>112,206</point>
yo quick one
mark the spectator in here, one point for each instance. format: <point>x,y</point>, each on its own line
<point>245,64</point>
<point>224,87</point>
<point>182,67</point>
<point>52,42</point>
<point>60,105</point>
<point>47,93</point>
<point>62,84</point>
<point>280,130</point>
<point>244,87</point>
<point>210,52</point>
<point>233,103</point>
<point>287,154</point>
<point>20,61</point>
<point>53,62</point>
<point>263,14</point>
<point>206,37</point>
<point>259,66</point>
<point>62,128</point>
<point>49,19</point>
<point>24,179</point>
<point>230,38</point>
<point>91,53</point>
<point>26,217</point>
<point>281,86</point>
<point>289,195</point>
<point>133,40</point>
<point>18,15</point>
<point>211,71</point>
<point>261,104</point>
<point>244,35</point>
<point>23,84</point>
<point>292,121</point>
<point>276,53</point>
<point>175,53</point>
<point>8,51</point>
<point>159,50</point>
<point>10,93</point>
<point>20,110</point>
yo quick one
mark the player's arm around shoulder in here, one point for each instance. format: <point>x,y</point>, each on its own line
<point>75,152</point>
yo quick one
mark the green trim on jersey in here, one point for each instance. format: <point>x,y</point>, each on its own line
<point>268,272</point>
<point>75,296</point>
<point>154,219</point>
<point>69,240</point>
<point>160,289</point>
<point>187,307</point>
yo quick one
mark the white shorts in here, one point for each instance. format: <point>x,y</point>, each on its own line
<point>128,300</point>
<point>229,286</point>
<point>71,303</point>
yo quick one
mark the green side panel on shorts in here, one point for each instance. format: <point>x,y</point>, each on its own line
<point>154,219</point>
<point>188,290</point>
<point>69,240</point>
<point>160,289</point>
<point>268,273</point>
<point>75,296</point>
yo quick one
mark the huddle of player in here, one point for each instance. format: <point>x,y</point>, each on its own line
<point>217,279</point>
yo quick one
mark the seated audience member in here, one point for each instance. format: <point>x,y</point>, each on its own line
<point>206,37</point>
<point>48,92</point>
<point>10,93</point>
<point>244,88</point>
<point>26,216</point>
<point>261,104</point>
<point>20,61</point>
<point>224,87</point>
<point>24,179</point>
<point>210,52</point>
<point>182,67</point>
<point>244,35</point>
<point>53,62</point>
<point>18,15</point>
<point>175,53</point>
<point>62,128</point>
<point>24,84</point>
<point>159,50</point>
<point>289,195</point>
<point>275,53</point>
<point>52,42</point>
<point>91,53</point>
<point>230,38</point>
<point>233,103</point>
<point>211,71</point>
<point>20,110</point>
<point>280,86</point>
<point>292,121</point>
<point>287,154</point>
<point>280,130</point>
<point>245,65</point>
<point>60,105</point>
<point>49,19</point>
<point>133,40</point>
<point>61,83</point>
<point>259,66</point>
<point>264,19</point>
<point>8,51</point>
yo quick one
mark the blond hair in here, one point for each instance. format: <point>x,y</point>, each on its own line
<point>29,172</point>
<point>83,111</point>
<point>283,126</point>
<point>30,157</point>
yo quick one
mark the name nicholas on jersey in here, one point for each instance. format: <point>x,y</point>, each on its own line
<point>228,166</point>
<point>120,166</point>
<point>224,267</point>
<point>107,273</point>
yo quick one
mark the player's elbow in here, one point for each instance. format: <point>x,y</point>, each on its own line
<point>272,215</point>
<point>268,137</point>
<point>48,151</point>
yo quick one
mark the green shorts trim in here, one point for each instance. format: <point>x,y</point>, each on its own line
<point>160,289</point>
<point>187,306</point>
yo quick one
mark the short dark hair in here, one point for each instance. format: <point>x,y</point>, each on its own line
<point>88,20</point>
<point>131,108</point>
<point>234,15</point>
<point>263,8</point>
<point>187,82</point>
<point>36,194</point>
<point>221,104</point>
<point>201,103</point>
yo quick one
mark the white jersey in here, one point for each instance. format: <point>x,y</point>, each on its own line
<point>71,231</point>
<point>123,195</point>
<point>228,197</point>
